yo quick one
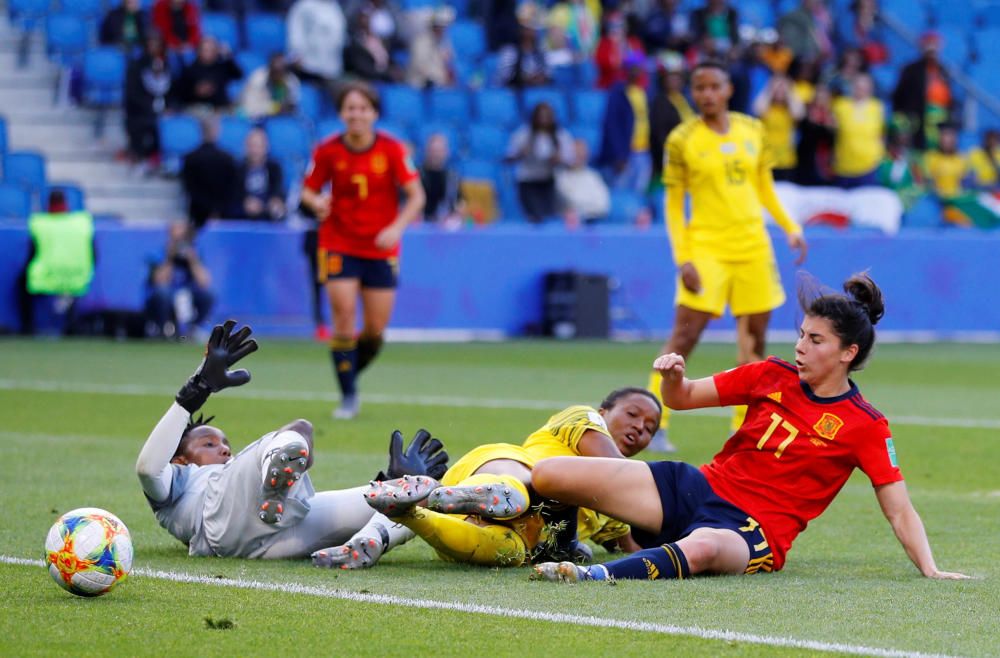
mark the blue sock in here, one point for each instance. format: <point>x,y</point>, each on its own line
<point>344,353</point>
<point>665,562</point>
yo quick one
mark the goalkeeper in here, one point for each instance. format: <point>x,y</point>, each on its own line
<point>261,502</point>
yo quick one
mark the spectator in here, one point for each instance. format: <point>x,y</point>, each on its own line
<point>261,183</point>
<point>317,34</point>
<point>524,64</point>
<point>861,28</point>
<point>625,135</point>
<point>179,23</point>
<point>367,56</point>
<point>271,90</point>
<point>560,59</point>
<point>666,28</point>
<point>615,45</point>
<point>805,78</point>
<point>985,161</point>
<point>384,19</point>
<point>807,30</point>
<point>716,21</point>
<point>771,51</point>
<point>208,175</point>
<point>126,26</point>
<point>900,169</point>
<point>539,149</point>
<point>922,98</point>
<point>667,110</point>
<point>814,152</point>
<point>431,54</point>
<point>178,298</point>
<point>850,64</point>
<point>946,169</point>
<point>579,25</point>
<point>60,264</point>
<point>441,182</point>
<point>204,82</point>
<point>583,194</point>
<point>501,24</point>
<point>780,110</point>
<point>148,85</point>
<point>859,128</point>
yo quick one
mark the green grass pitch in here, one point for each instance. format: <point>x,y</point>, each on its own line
<point>73,415</point>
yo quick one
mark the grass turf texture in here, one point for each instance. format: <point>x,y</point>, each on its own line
<point>847,579</point>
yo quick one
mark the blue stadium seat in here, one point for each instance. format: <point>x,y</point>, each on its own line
<point>328,126</point>
<point>885,77</point>
<point>222,27</point>
<point>588,107</point>
<point>958,14</point>
<point>409,5</point>
<point>26,14</point>
<point>450,105</point>
<point>233,134</point>
<point>179,135</point>
<point>913,14</point>
<point>497,107</point>
<point>250,61</point>
<point>468,39</point>
<point>625,205</point>
<point>954,44</point>
<point>403,104</point>
<point>478,169</point>
<point>289,137</point>
<point>489,65</point>
<point>66,38</point>
<point>3,135</point>
<point>487,140</point>
<point>75,199</point>
<point>988,51</point>
<point>758,13</point>
<point>310,102</point>
<point>103,76</point>
<point>398,130</point>
<point>589,134</point>
<point>989,15</point>
<point>293,170</point>
<point>87,10</point>
<point>986,75</point>
<point>554,97</point>
<point>15,201</point>
<point>265,33</point>
<point>25,168</point>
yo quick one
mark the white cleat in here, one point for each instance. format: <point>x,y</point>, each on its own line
<point>396,497</point>
<point>349,408</point>
<point>357,553</point>
<point>489,500</point>
<point>558,572</point>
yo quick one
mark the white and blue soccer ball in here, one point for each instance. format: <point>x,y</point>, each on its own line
<point>88,551</point>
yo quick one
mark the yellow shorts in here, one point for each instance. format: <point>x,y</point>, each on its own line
<point>472,460</point>
<point>748,288</point>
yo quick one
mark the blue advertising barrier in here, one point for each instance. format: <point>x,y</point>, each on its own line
<point>490,281</point>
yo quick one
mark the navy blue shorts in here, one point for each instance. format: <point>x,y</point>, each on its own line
<point>689,503</point>
<point>372,272</point>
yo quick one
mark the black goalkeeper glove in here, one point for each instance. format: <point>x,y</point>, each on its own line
<point>224,348</point>
<point>424,456</point>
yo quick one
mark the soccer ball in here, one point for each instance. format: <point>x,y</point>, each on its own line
<point>88,551</point>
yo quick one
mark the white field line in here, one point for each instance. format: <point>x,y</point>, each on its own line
<point>515,613</point>
<point>420,400</point>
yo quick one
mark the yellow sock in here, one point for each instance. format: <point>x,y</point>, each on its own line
<point>739,415</point>
<point>456,539</point>
<point>654,387</point>
<point>490,478</point>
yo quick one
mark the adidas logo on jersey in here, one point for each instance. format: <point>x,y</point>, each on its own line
<point>776,396</point>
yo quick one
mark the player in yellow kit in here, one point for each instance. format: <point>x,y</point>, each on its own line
<point>721,249</point>
<point>483,512</point>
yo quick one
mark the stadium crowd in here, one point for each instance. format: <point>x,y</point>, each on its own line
<point>476,87</point>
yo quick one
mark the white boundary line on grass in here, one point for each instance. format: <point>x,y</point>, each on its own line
<point>515,613</point>
<point>420,400</point>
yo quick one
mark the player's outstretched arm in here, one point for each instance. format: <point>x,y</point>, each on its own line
<point>909,529</point>
<point>424,456</point>
<point>223,350</point>
<point>678,391</point>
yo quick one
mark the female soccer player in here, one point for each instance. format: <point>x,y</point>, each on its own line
<point>260,503</point>
<point>807,428</point>
<point>483,513</point>
<point>722,251</point>
<point>361,224</point>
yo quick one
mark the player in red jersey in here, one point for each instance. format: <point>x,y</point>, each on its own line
<point>807,429</point>
<point>361,224</point>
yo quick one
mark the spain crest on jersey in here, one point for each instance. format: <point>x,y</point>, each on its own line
<point>828,425</point>
<point>379,163</point>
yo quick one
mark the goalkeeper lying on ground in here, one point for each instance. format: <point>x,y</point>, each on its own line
<point>260,503</point>
<point>483,511</point>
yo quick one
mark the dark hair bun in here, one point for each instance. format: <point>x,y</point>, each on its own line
<point>861,289</point>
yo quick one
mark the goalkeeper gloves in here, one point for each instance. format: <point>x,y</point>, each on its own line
<point>424,456</point>
<point>224,348</point>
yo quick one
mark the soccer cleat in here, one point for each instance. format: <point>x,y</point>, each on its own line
<point>660,442</point>
<point>357,553</point>
<point>396,497</point>
<point>285,468</point>
<point>490,500</point>
<point>558,572</point>
<point>349,408</point>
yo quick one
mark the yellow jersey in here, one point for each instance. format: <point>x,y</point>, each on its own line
<point>946,171</point>
<point>721,174</point>
<point>779,131</point>
<point>640,111</point>
<point>560,437</point>
<point>983,167</point>
<point>857,146</point>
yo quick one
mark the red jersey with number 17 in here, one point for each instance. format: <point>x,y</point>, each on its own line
<point>795,450</point>
<point>364,189</point>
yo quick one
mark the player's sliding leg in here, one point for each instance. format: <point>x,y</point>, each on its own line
<point>488,495</point>
<point>287,455</point>
<point>396,497</point>
<point>463,540</point>
<point>343,295</point>
<point>368,544</point>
